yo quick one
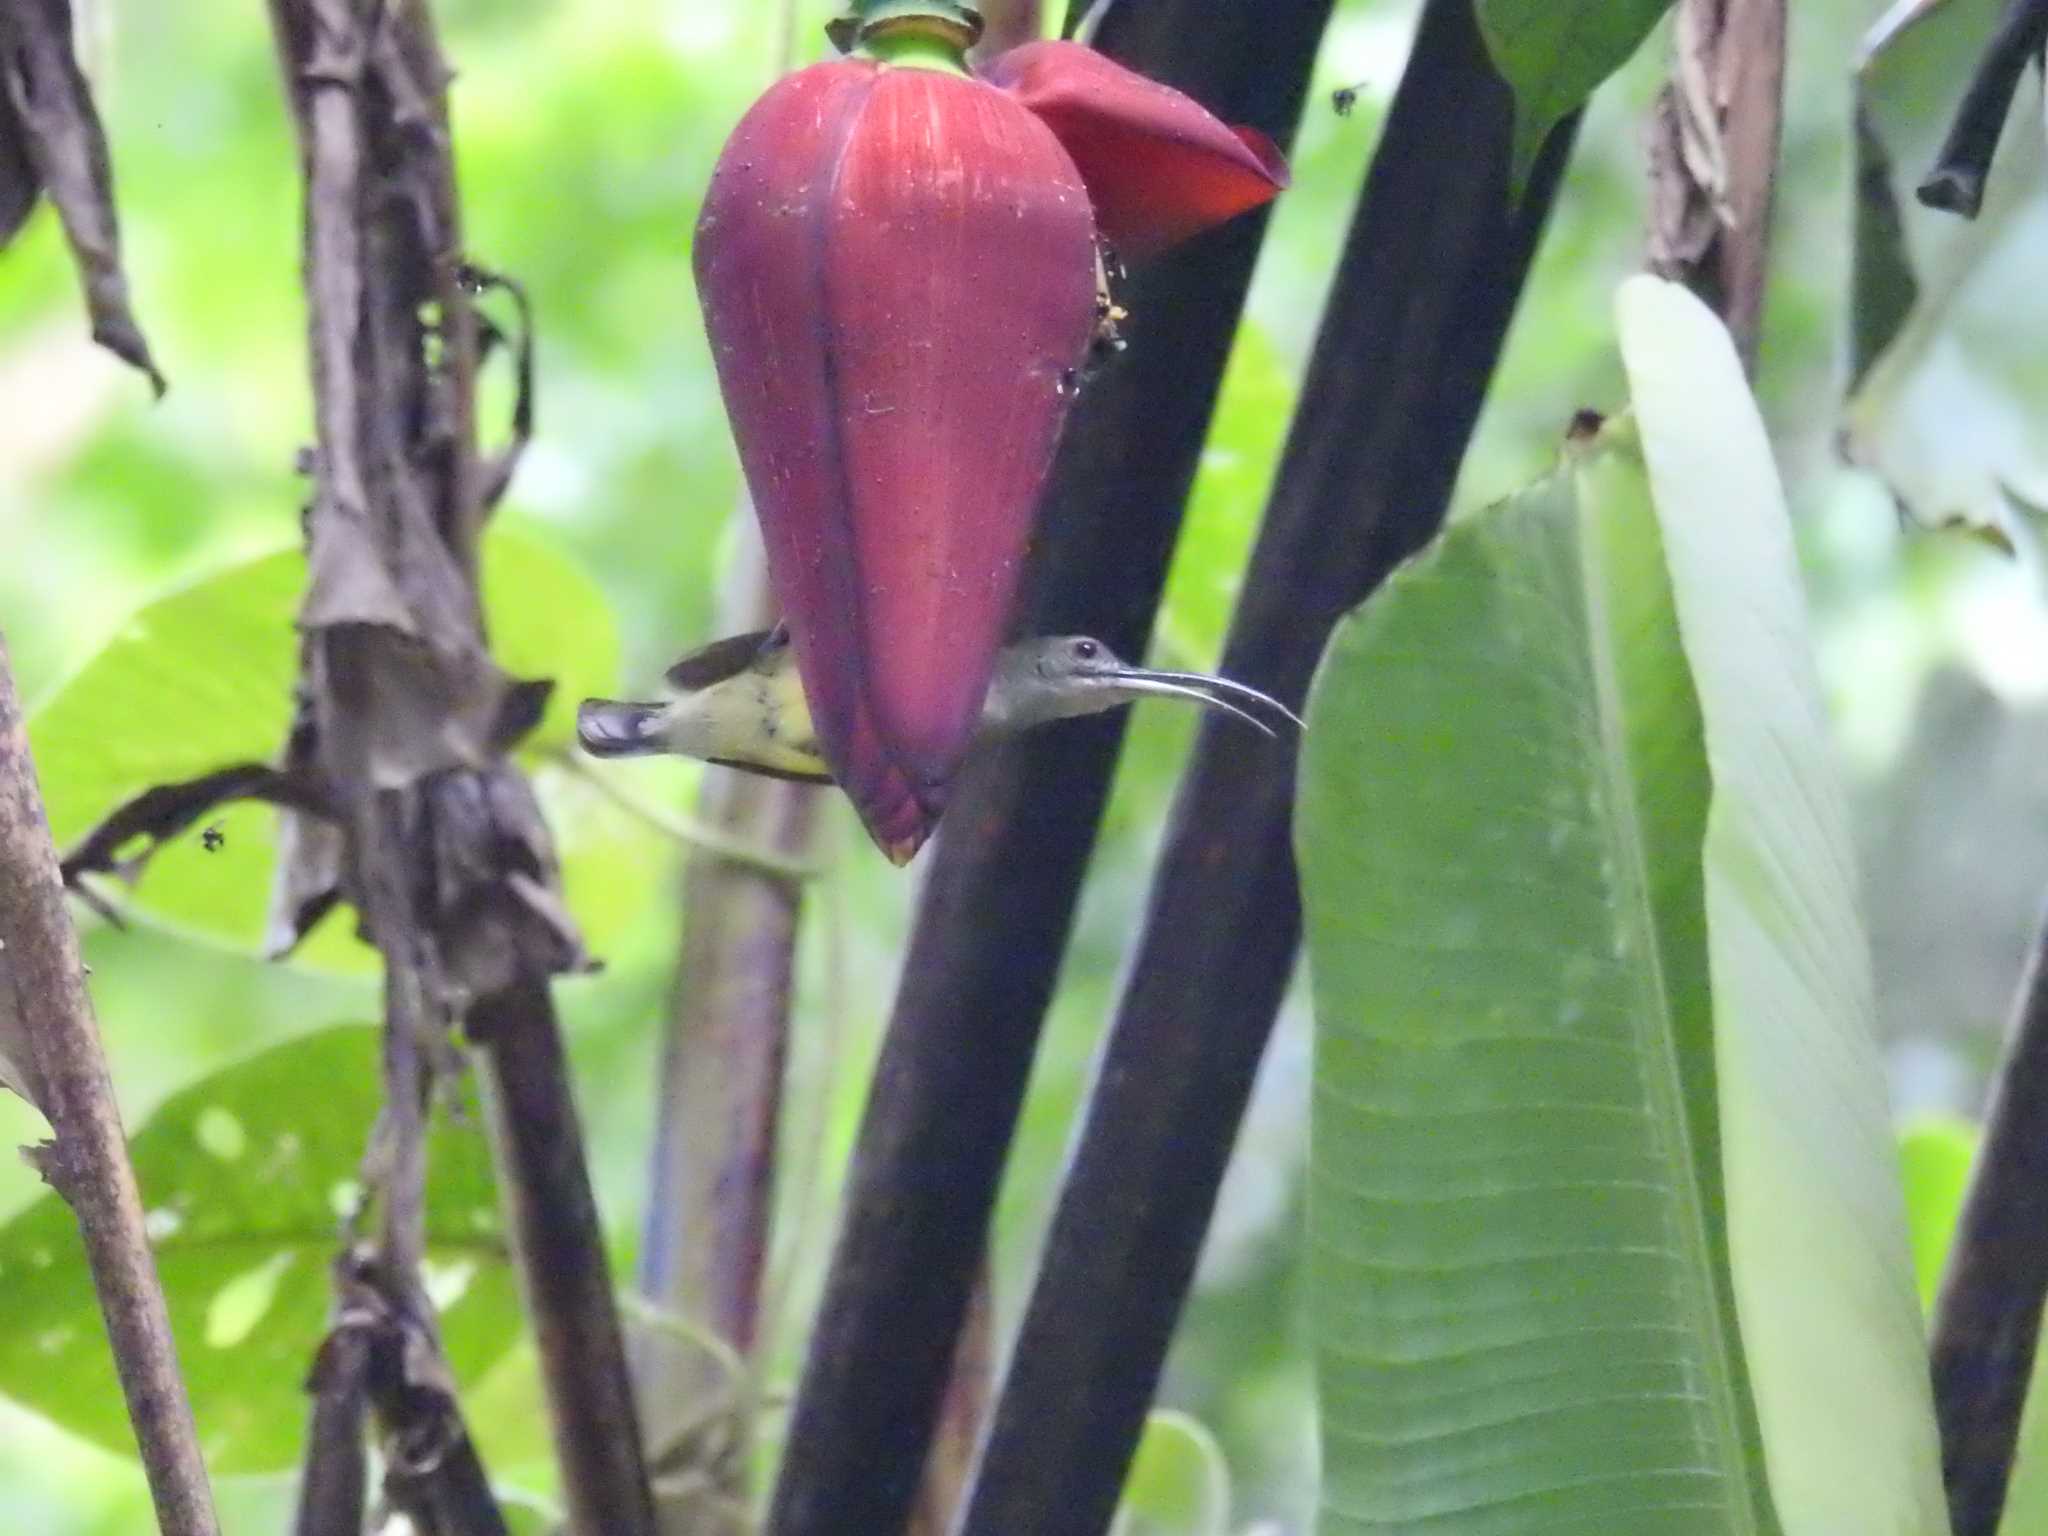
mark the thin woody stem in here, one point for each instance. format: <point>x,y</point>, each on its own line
<point>88,1162</point>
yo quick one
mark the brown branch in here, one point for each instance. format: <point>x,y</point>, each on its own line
<point>383,1352</point>
<point>1714,158</point>
<point>441,846</point>
<point>378,840</point>
<point>336,1474</point>
<point>1987,1320</point>
<point>87,1163</point>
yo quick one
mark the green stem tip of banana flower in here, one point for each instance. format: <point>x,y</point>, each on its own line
<point>921,34</point>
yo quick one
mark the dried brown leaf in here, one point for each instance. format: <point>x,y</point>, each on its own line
<point>19,184</point>
<point>57,133</point>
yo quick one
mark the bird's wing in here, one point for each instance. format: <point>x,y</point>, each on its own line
<point>718,661</point>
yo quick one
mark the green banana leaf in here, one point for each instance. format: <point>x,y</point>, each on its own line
<point>1606,1227</point>
<point>202,677</point>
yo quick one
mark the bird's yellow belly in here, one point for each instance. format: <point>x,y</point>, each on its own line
<point>766,722</point>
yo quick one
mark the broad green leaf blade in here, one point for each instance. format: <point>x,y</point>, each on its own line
<point>244,1176</point>
<point>198,678</point>
<point>1517,1263</point>
<point>1553,53</point>
<point>1179,1484</point>
<point>1836,1351</point>
<point>203,677</point>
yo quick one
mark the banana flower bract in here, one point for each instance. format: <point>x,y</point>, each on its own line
<point>898,264</point>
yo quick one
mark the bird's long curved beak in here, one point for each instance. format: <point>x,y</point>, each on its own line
<point>1201,688</point>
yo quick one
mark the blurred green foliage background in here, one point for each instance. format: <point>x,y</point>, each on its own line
<point>585,133</point>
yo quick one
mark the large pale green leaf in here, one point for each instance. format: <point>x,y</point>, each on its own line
<point>1555,52</point>
<point>1585,950</point>
<point>203,677</point>
<point>245,1176</point>
<point>1823,1274</point>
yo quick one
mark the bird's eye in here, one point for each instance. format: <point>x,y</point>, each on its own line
<point>1087,650</point>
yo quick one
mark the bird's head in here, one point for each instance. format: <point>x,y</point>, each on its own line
<point>1060,676</point>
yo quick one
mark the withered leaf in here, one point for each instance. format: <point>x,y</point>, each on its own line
<point>19,183</point>
<point>56,133</point>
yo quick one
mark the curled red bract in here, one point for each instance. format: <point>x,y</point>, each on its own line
<point>1158,165</point>
<point>897,269</point>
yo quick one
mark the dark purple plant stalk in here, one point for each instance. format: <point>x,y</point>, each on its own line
<point>560,1244</point>
<point>1987,1319</point>
<point>999,898</point>
<point>1955,183</point>
<point>1430,275</point>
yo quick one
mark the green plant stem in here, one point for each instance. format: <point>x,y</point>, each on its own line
<point>715,840</point>
<point>911,34</point>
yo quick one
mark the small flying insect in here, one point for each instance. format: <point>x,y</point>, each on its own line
<point>1108,339</point>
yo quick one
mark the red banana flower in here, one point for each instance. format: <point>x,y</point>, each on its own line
<point>897,262</point>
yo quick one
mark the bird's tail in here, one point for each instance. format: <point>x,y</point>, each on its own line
<point>615,728</point>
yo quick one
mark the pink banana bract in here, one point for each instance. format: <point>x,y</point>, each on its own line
<point>897,269</point>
